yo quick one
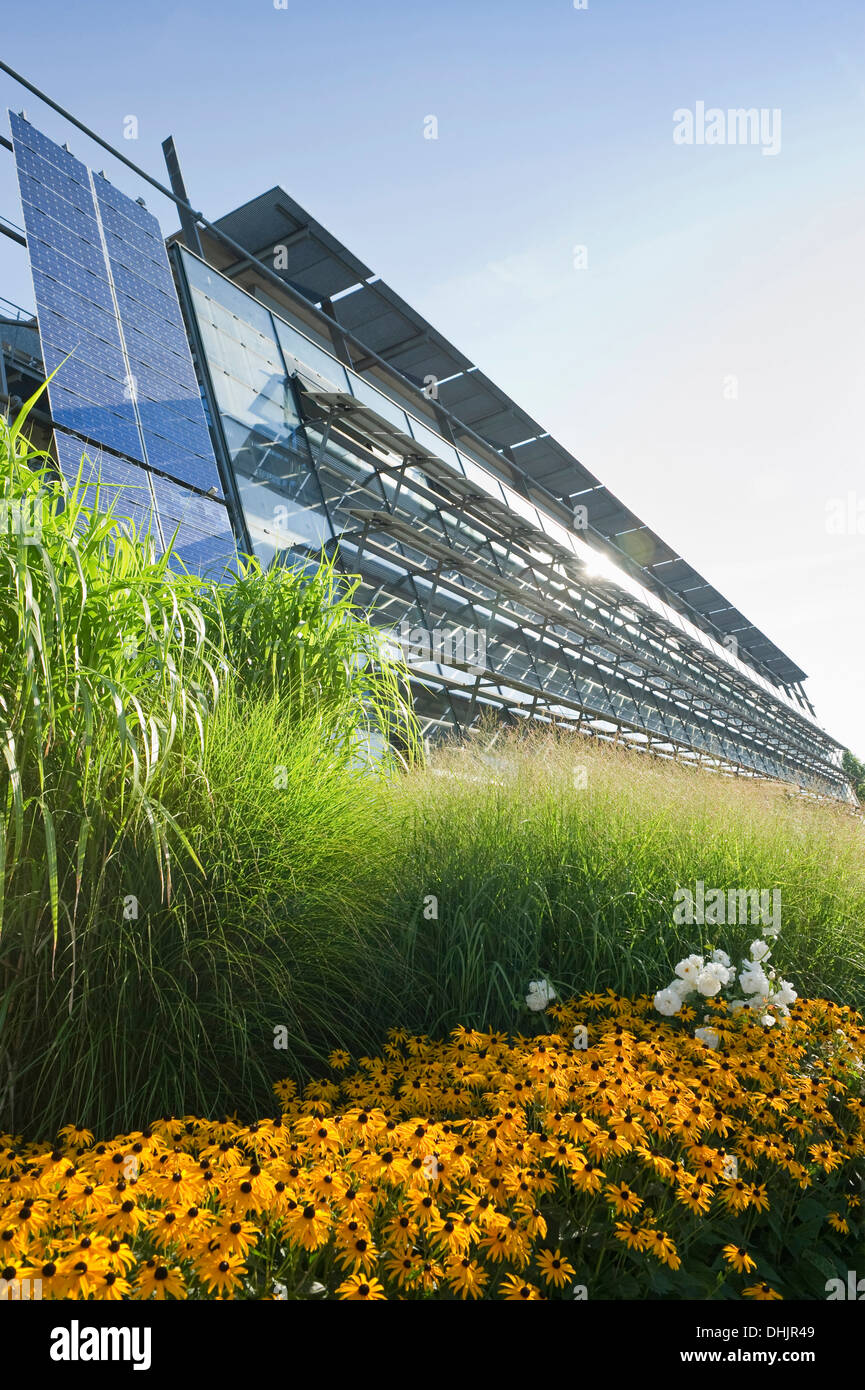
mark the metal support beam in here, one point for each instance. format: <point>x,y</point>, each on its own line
<point>12,234</point>
<point>187,221</point>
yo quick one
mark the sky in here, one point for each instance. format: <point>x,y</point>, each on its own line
<point>686,318</point>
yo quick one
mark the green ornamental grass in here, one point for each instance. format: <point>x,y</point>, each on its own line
<point>223,855</point>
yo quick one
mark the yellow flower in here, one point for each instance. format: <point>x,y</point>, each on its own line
<point>112,1288</point>
<point>76,1137</point>
<point>738,1258</point>
<point>623,1199</point>
<point>309,1226</point>
<point>839,1223</point>
<point>554,1268</point>
<point>359,1254</point>
<point>449,1158</point>
<point>660,1245</point>
<point>762,1293</point>
<point>516,1290</point>
<point>633,1236</point>
<point>225,1274</point>
<point>466,1276</point>
<point>160,1280</point>
<point>358,1288</point>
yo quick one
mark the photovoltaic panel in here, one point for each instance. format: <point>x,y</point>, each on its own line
<point>108,315</point>
<point>64,335</point>
<point>78,312</point>
<point>122,485</point>
<point>199,527</point>
<point>204,539</point>
<point>174,429</point>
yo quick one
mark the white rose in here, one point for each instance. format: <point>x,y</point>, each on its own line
<point>760,949</point>
<point>707,1036</point>
<point>753,981</point>
<point>541,993</point>
<point>668,1001</point>
<point>710,980</point>
<point>690,967</point>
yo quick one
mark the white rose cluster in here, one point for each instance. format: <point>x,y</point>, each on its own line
<point>695,975</point>
<point>541,993</point>
<point>762,992</point>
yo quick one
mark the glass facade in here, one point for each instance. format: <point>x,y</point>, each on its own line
<point>489,596</point>
<point>476,568</point>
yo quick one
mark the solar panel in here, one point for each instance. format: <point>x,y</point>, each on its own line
<point>122,486</point>
<point>204,540</point>
<point>174,429</point>
<point>199,526</point>
<point>113,335</point>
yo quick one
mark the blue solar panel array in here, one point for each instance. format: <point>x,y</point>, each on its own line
<point>204,538</point>
<point>111,328</point>
<point>196,527</point>
<point>123,486</point>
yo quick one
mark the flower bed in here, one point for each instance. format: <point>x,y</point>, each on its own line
<point>645,1164</point>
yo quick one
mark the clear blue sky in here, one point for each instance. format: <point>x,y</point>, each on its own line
<point>555,130</point>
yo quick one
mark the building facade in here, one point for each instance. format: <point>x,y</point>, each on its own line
<point>255,387</point>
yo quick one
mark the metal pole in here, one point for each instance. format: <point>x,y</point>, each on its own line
<point>172,163</point>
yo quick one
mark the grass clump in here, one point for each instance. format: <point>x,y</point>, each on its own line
<point>216,868</point>
<point>180,800</point>
<point>553,856</point>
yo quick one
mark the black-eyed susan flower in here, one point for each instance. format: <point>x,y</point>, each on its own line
<point>554,1268</point>
<point>623,1199</point>
<point>224,1274</point>
<point>659,1244</point>
<point>517,1290</point>
<point>358,1254</point>
<point>359,1288</point>
<point>309,1225</point>
<point>631,1235</point>
<point>76,1136</point>
<point>452,1190</point>
<point>112,1288</point>
<point>158,1280</point>
<point>763,1293</point>
<point>739,1258</point>
<point>465,1276</point>
<point>403,1268</point>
